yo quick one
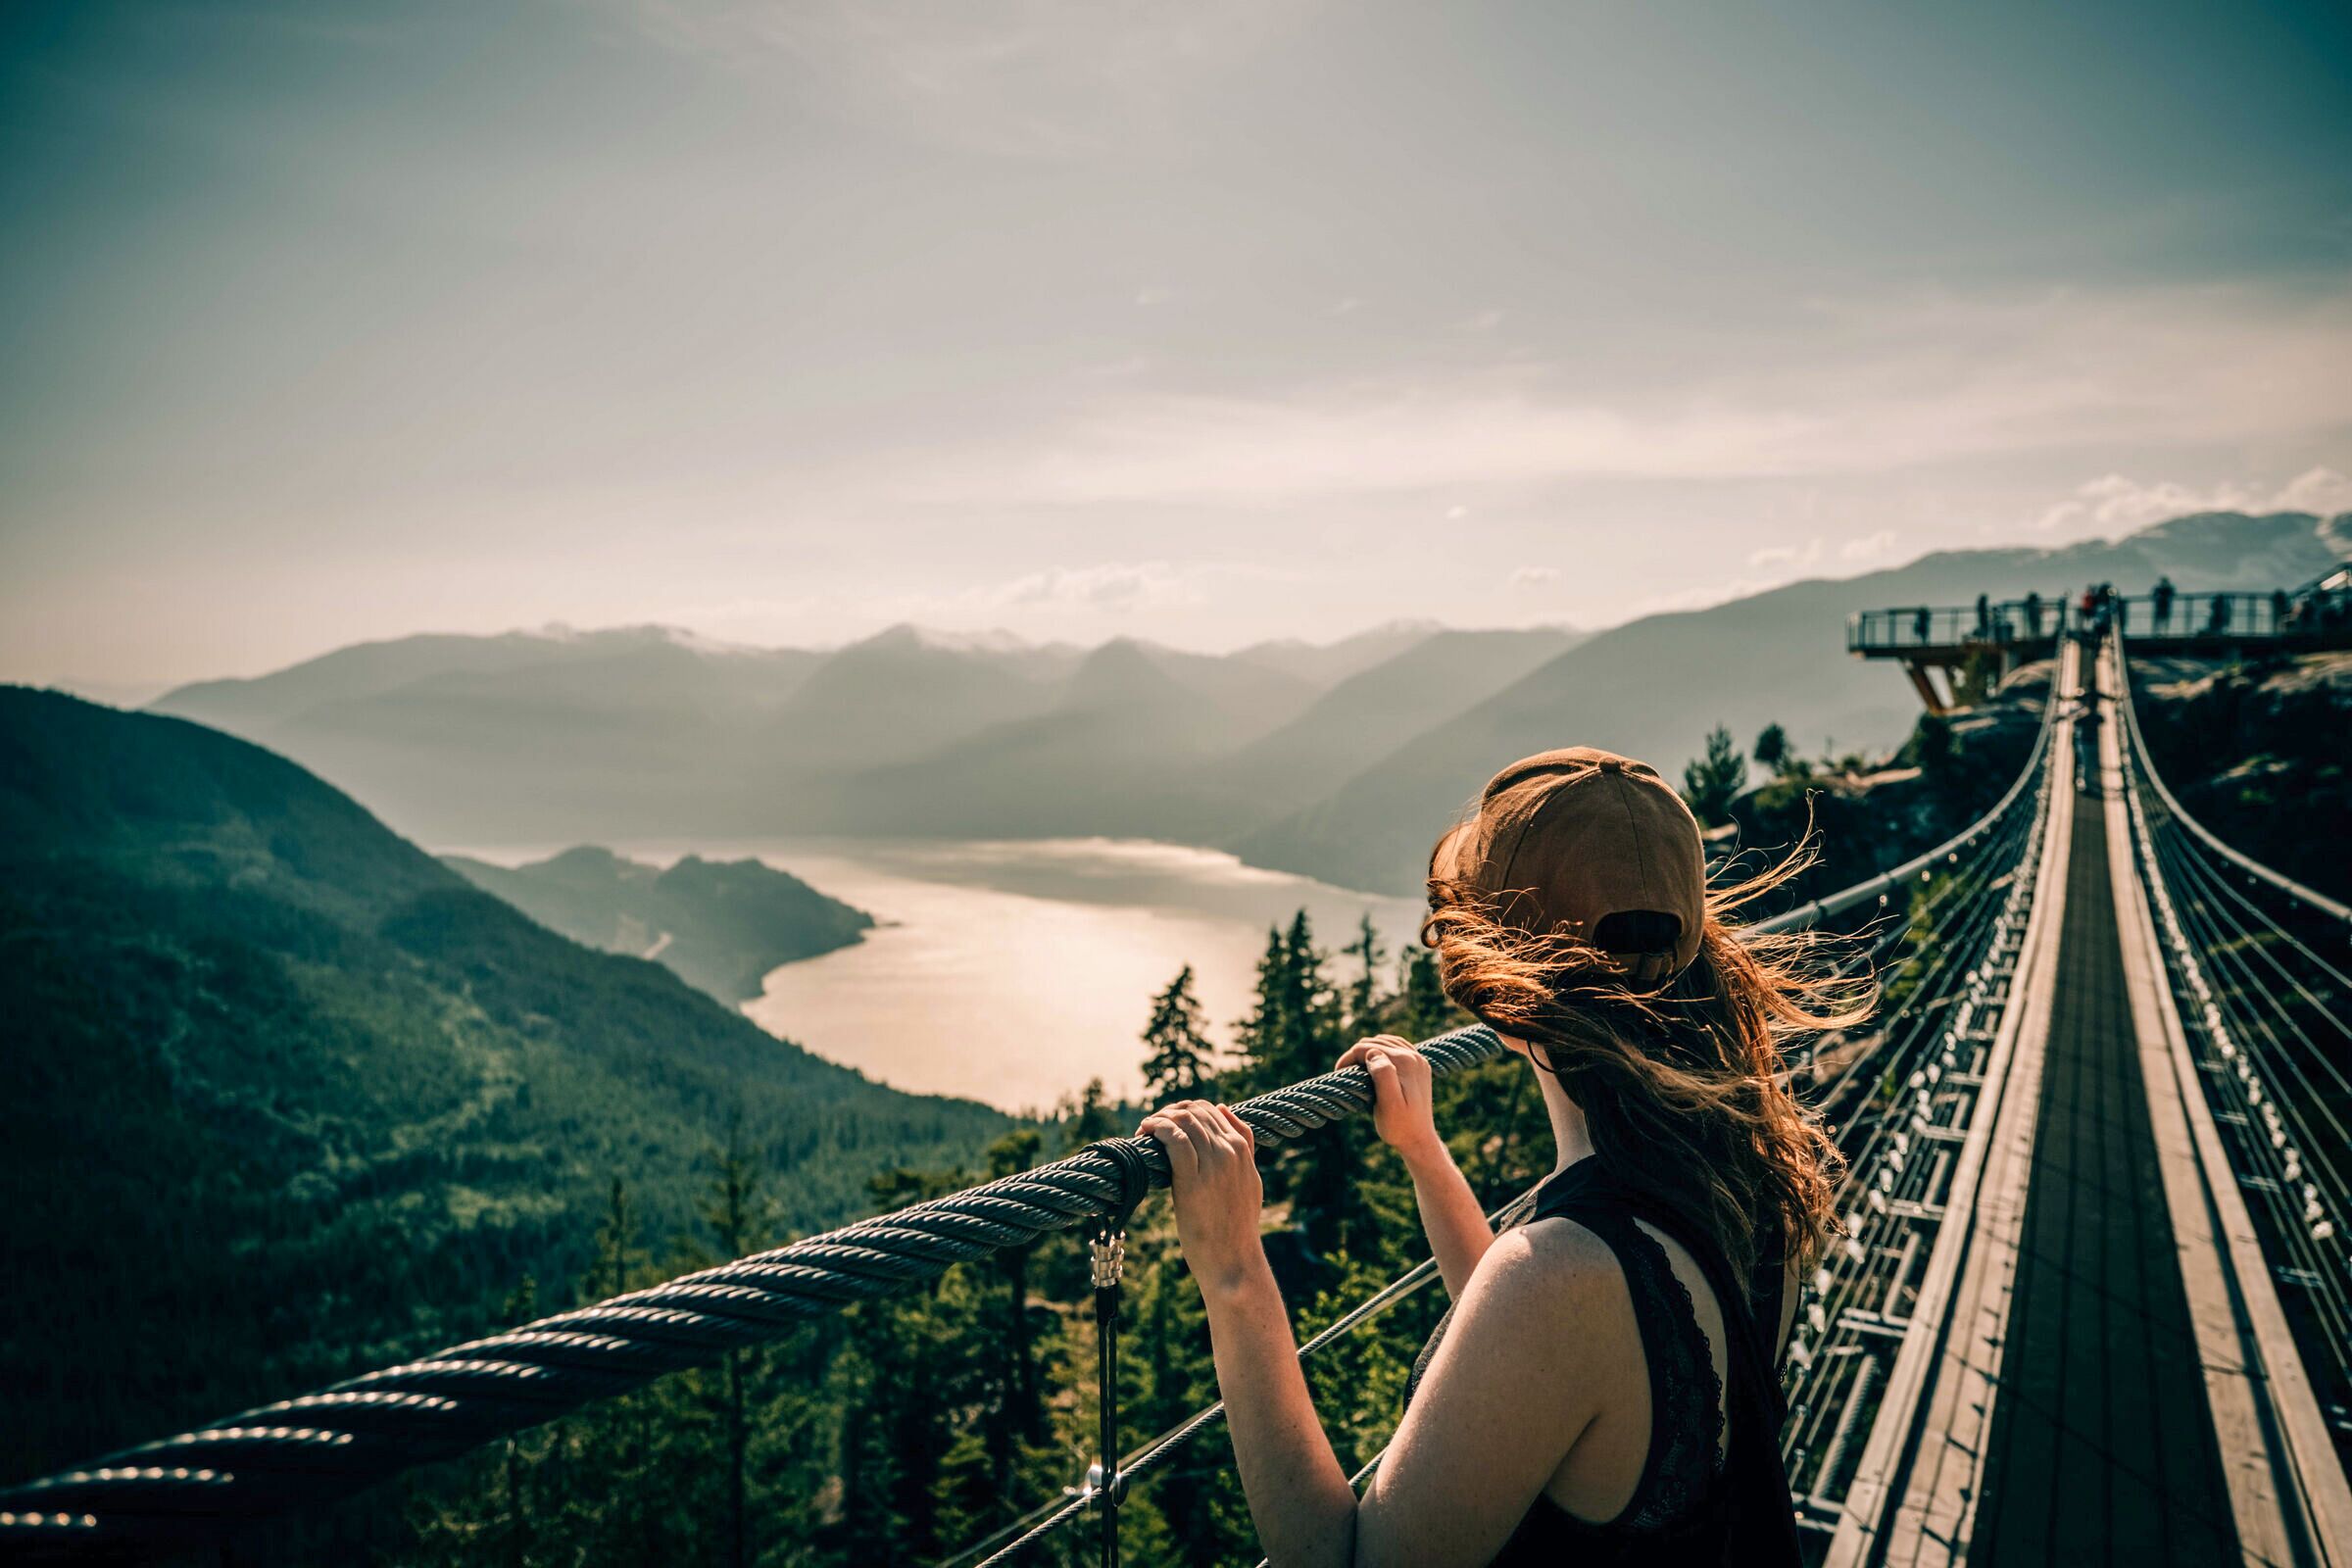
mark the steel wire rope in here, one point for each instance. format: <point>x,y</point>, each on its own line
<point>1986,881</point>
<point>2234,954</point>
<point>1850,1276</point>
<point>2215,880</point>
<point>1814,1366</point>
<point>2295,1233</point>
<point>2327,1268</point>
<point>1963,890</point>
<point>2273,1167</point>
<point>2273,1180</point>
<point>1815,1374</point>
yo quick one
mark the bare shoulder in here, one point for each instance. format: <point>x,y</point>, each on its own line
<point>1551,1269</point>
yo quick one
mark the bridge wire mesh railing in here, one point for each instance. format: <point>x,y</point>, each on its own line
<point>1910,1104</point>
<point>2269,1016</point>
<point>204,1483</point>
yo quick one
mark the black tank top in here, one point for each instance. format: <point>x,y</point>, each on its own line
<point>1696,1502</point>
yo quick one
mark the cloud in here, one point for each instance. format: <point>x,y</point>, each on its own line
<point>2322,491</point>
<point>1118,586</point>
<point>1895,388</point>
<point>2113,503</point>
<point>1772,556</point>
<point>1534,576</point>
<point>1870,547</point>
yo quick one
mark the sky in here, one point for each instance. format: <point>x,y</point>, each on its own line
<point>1207,321</point>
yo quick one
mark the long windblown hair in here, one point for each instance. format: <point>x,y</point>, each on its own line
<point>1681,1085</point>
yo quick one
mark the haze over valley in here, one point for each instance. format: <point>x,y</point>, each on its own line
<point>1337,762</point>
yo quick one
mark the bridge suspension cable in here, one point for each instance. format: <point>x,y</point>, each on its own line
<point>2272,1018</point>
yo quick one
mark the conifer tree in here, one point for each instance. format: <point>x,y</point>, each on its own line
<point>1179,1061</point>
<point>1711,782</point>
<point>1363,987</point>
<point>1017,1410</point>
<point>1424,1010</point>
<point>1090,1119</point>
<point>742,1220</point>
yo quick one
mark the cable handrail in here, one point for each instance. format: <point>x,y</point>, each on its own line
<point>2205,835</point>
<point>1805,916</point>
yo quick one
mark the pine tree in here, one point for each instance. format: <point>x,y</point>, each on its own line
<point>1711,782</point>
<point>1772,749</point>
<point>1017,1411</point>
<point>1179,1063</point>
<point>1425,1010</point>
<point>1090,1120</point>
<point>742,1220</point>
<point>1364,987</point>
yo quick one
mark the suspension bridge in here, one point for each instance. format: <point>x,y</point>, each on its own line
<point>2092,1302</point>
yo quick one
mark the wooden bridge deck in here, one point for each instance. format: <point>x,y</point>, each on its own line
<point>2102,1447</point>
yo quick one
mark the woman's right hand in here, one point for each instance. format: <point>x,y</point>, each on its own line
<point>1404,1109</point>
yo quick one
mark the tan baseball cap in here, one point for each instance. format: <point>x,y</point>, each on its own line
<point>1565,839</point>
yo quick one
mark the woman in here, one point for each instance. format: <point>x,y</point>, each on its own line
<point>1603,1387</point>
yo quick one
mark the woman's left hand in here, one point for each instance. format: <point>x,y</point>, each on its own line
<point>1212,1167</point>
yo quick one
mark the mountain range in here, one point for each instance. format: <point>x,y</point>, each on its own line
<point>1339,761</point>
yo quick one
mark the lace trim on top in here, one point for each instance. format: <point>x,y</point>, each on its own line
<point>1685,1398</point>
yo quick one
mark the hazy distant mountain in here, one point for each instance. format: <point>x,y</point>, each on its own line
<point>720,925</point>
<point>1325,663</point>
<point>640,732</point>
<point>1339,761</point>
<point>1118,752</point>
<point>1653,688</point>
<point>896,696</point>
<point>367,669</point>
<point>1360,719</point>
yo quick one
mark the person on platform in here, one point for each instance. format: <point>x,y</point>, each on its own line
<point>1604,1389</point>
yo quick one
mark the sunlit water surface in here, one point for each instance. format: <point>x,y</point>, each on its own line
<point>1013,971</point>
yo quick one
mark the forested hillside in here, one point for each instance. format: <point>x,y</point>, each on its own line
<point>721,925</point>
<point>289,1098</point>
<point>2261,754</point>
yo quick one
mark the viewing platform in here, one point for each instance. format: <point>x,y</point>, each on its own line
<point>1981,643</point>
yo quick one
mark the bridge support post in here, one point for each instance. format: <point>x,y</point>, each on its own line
<point>1925,685</point>
<point>1105,1483</point>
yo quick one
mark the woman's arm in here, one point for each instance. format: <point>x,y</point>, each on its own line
<point>1514,1386</point>
<point>1298,1497</point>
<point>1404,1112</point>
